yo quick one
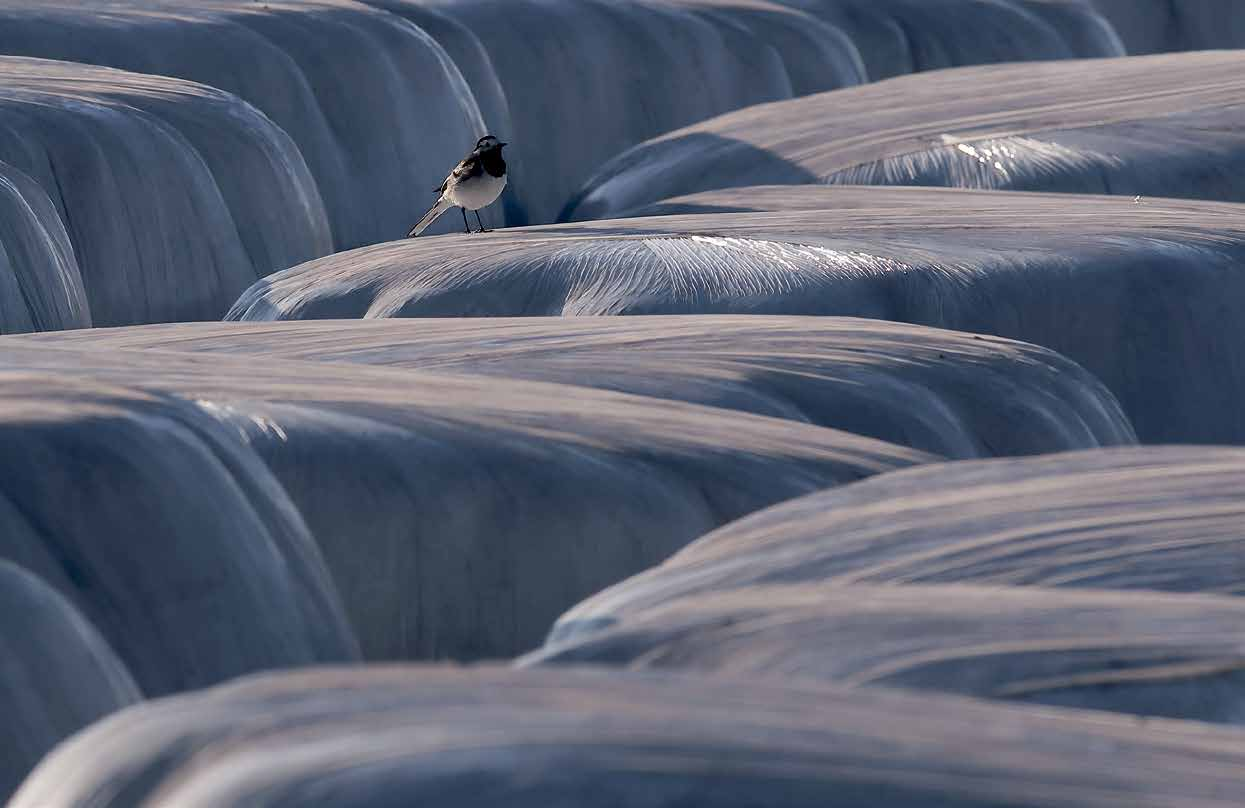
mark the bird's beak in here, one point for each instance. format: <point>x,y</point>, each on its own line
<point>499,145</point>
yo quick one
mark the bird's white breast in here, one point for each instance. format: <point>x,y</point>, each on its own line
<point>476,192</point>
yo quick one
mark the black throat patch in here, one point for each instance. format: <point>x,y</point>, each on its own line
<point>493,163</point>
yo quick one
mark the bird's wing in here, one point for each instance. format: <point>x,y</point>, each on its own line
<point>470,166</point>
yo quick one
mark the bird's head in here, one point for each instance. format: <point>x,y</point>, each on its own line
<point>488,143</point>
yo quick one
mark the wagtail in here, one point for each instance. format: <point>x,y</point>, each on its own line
<point>473,184</point>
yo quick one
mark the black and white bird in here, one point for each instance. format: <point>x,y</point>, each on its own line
<point>473,184</point>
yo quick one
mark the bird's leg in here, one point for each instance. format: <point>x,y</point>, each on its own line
<point>463,211</point>
<point>482,230</point>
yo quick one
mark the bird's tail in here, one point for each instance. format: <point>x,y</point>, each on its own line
<point>436,210</point>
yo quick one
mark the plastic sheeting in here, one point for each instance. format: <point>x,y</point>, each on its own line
<point>583,81</point>
<point>908,36</point>
<point>167,534</point>
<point>459,515</point>
<point>1169,125</point>
<point>1152,518</point>
<point>40,284</point>
<point>175,196</point>
<point>1153,26</point>
<point>1139,292</point>
<point>383,98</point>
<point>1145,653</point>
<point>58,674</point>
<point>407,86</point>
<point>956,395</point>
<point>378,110</point>
<point>487,737</point>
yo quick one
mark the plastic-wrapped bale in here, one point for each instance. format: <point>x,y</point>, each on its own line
<point>908,36</point>
<point>470,57</point>
<point>460,515</point>
<point>175,196</point>
<point>1169,125</point>
<point>586,80</point>
<point>1084,30</point>
<point>487,737</point>
<point>57,673</point>
<point>1156,518</point>
<point>817,56</point>
<point>377,108</point>
<point>40,285</point>
<point>1146,653</point>
<point>956,395</point>
<point>1156,26</point>
<point>164,531</point>
<point>1142,295</point>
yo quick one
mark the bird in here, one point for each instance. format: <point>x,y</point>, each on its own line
<point>473,184</point>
